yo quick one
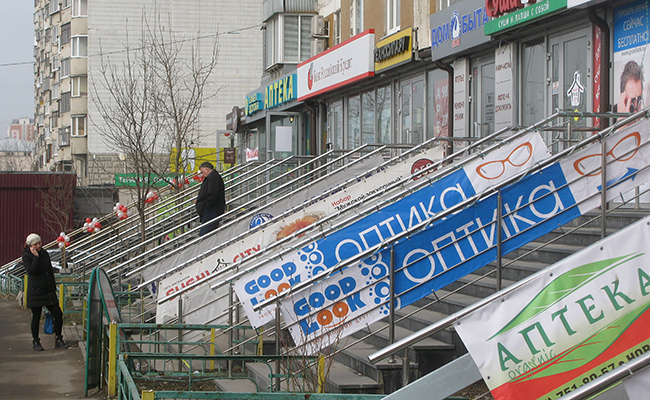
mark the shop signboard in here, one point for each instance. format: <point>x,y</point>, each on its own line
<point>457,28</point>
<point>578,320</point>
<point>338,66</point>
<point>193,157</point>
<point>394,50</point>
<point>520,14</point>
<point>134,180</point>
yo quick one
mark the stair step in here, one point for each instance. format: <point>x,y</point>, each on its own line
<point>243,385</point>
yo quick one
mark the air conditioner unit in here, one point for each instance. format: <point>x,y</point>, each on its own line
<point>318,27</point>
<point>317,46</point>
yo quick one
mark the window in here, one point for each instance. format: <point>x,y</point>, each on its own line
<point>65,67</point>
<point>337,27</point>
<point>64,136</point>
<point>64,103</point>
<point>287,39</point>
<point>56,64</point>
<point>55,90</point>
<point>356,17</point>
<point>442,4</point>
<point>54,119</point>
<point>354,122</point>
<point>79,125</point>
<point>66,3</point>
<point>54,6</point>
<point>79,86</point>
<point>65,33</point>
<point>80,46</point>
<point>79,8</point>
<point>383,114</point>
<point>392,16</point>
<point>368,117</point>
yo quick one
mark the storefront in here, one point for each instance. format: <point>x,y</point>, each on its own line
<point>274,123</point>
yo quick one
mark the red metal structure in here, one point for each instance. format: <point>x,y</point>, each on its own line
<point>34,202</point>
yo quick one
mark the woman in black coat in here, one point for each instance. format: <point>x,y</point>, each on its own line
<point>41,289</point>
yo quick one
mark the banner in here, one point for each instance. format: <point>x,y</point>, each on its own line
<point>443,252</point>
<point>258,241</point>
<point>208,243</point>
<point>323,254</point>
<point>573,322</point>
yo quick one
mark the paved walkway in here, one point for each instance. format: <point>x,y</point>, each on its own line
<point>27,374</point>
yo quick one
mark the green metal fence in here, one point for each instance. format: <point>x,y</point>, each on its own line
<point>10,284</point>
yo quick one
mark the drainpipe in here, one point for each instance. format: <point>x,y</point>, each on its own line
<point>450,111</point>
<point>604,63</point>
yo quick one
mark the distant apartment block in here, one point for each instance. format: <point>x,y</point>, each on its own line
<point>22,128</point>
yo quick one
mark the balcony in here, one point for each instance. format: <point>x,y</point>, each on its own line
<point>79,145</point>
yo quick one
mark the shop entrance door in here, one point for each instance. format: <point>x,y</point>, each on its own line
<point>411,111</point>
<point>569,82</point>
<point>335,125</point>
<point>482,112</point>
<point>284,137</point>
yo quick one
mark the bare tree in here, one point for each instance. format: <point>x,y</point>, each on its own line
<point>154,100</point>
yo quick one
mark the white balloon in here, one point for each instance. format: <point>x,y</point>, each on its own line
<point>61,244</point>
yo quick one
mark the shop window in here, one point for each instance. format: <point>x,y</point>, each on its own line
<point>383,107</point>
<point>287,39</point>
<point>368,117</point>
<point>533,60</point>
<point>437,104</point>
<point>354,122</point>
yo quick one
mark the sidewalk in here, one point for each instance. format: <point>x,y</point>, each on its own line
<point>27,374</point>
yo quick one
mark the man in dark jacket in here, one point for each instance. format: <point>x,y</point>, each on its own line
<point>211,201</point>
<point>41,289</point>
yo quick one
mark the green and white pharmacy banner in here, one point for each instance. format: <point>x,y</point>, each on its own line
<point>573,322</point>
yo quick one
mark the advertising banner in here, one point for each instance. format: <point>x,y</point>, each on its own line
<point>577,320</point>
<point>258,241</point>
<point>443,252</point>
<point>376,227</point>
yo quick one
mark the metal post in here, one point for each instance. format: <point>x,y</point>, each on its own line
<point>277,347</point>
<point>180,332</point>
<point>212,346</point>
<point>499,238</point>
<point>112,359</point>
<point>260,341</point>
<point>406,368</point>
<point>637,201</point>
<point>391,299</point>
<point>603,193</point>
<point>321,374</point>
<point>61,297</point>
<point>230,330</point>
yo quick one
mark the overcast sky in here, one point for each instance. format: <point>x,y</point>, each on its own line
<point>16,47</point>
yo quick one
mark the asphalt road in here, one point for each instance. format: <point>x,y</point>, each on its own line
<point>27,374</point>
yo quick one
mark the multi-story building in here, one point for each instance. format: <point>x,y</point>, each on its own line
<point>403,71</point>
<point>21,128</point>
<point>74,37</point>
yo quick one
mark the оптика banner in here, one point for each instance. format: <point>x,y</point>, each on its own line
<point>203,300</point>
<point>577,320</point>
<point>438,196</point>
<point>431,259</point>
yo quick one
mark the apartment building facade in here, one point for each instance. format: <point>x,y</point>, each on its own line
<point>74,37</point>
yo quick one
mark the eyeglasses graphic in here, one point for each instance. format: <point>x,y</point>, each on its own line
<point>518,157</point>
<point>623,150</point>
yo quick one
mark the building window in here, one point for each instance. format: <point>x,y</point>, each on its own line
<point>79,86</point>
<point>65,33</point>
<point>392,16</point>
<point>66,3</point>
<point>80,46</point>
<point>356,17</point>
<point>288,39</point>
<point>65,68</point>
<point>54,6</point>
<point>337,27</point>
<point>79,8</point>
<point>54,119</point>
<point>442,4</point>
<point>64,103</point>
<point>64,136</point>
<point>79,125</point>
<point>55,90</point>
